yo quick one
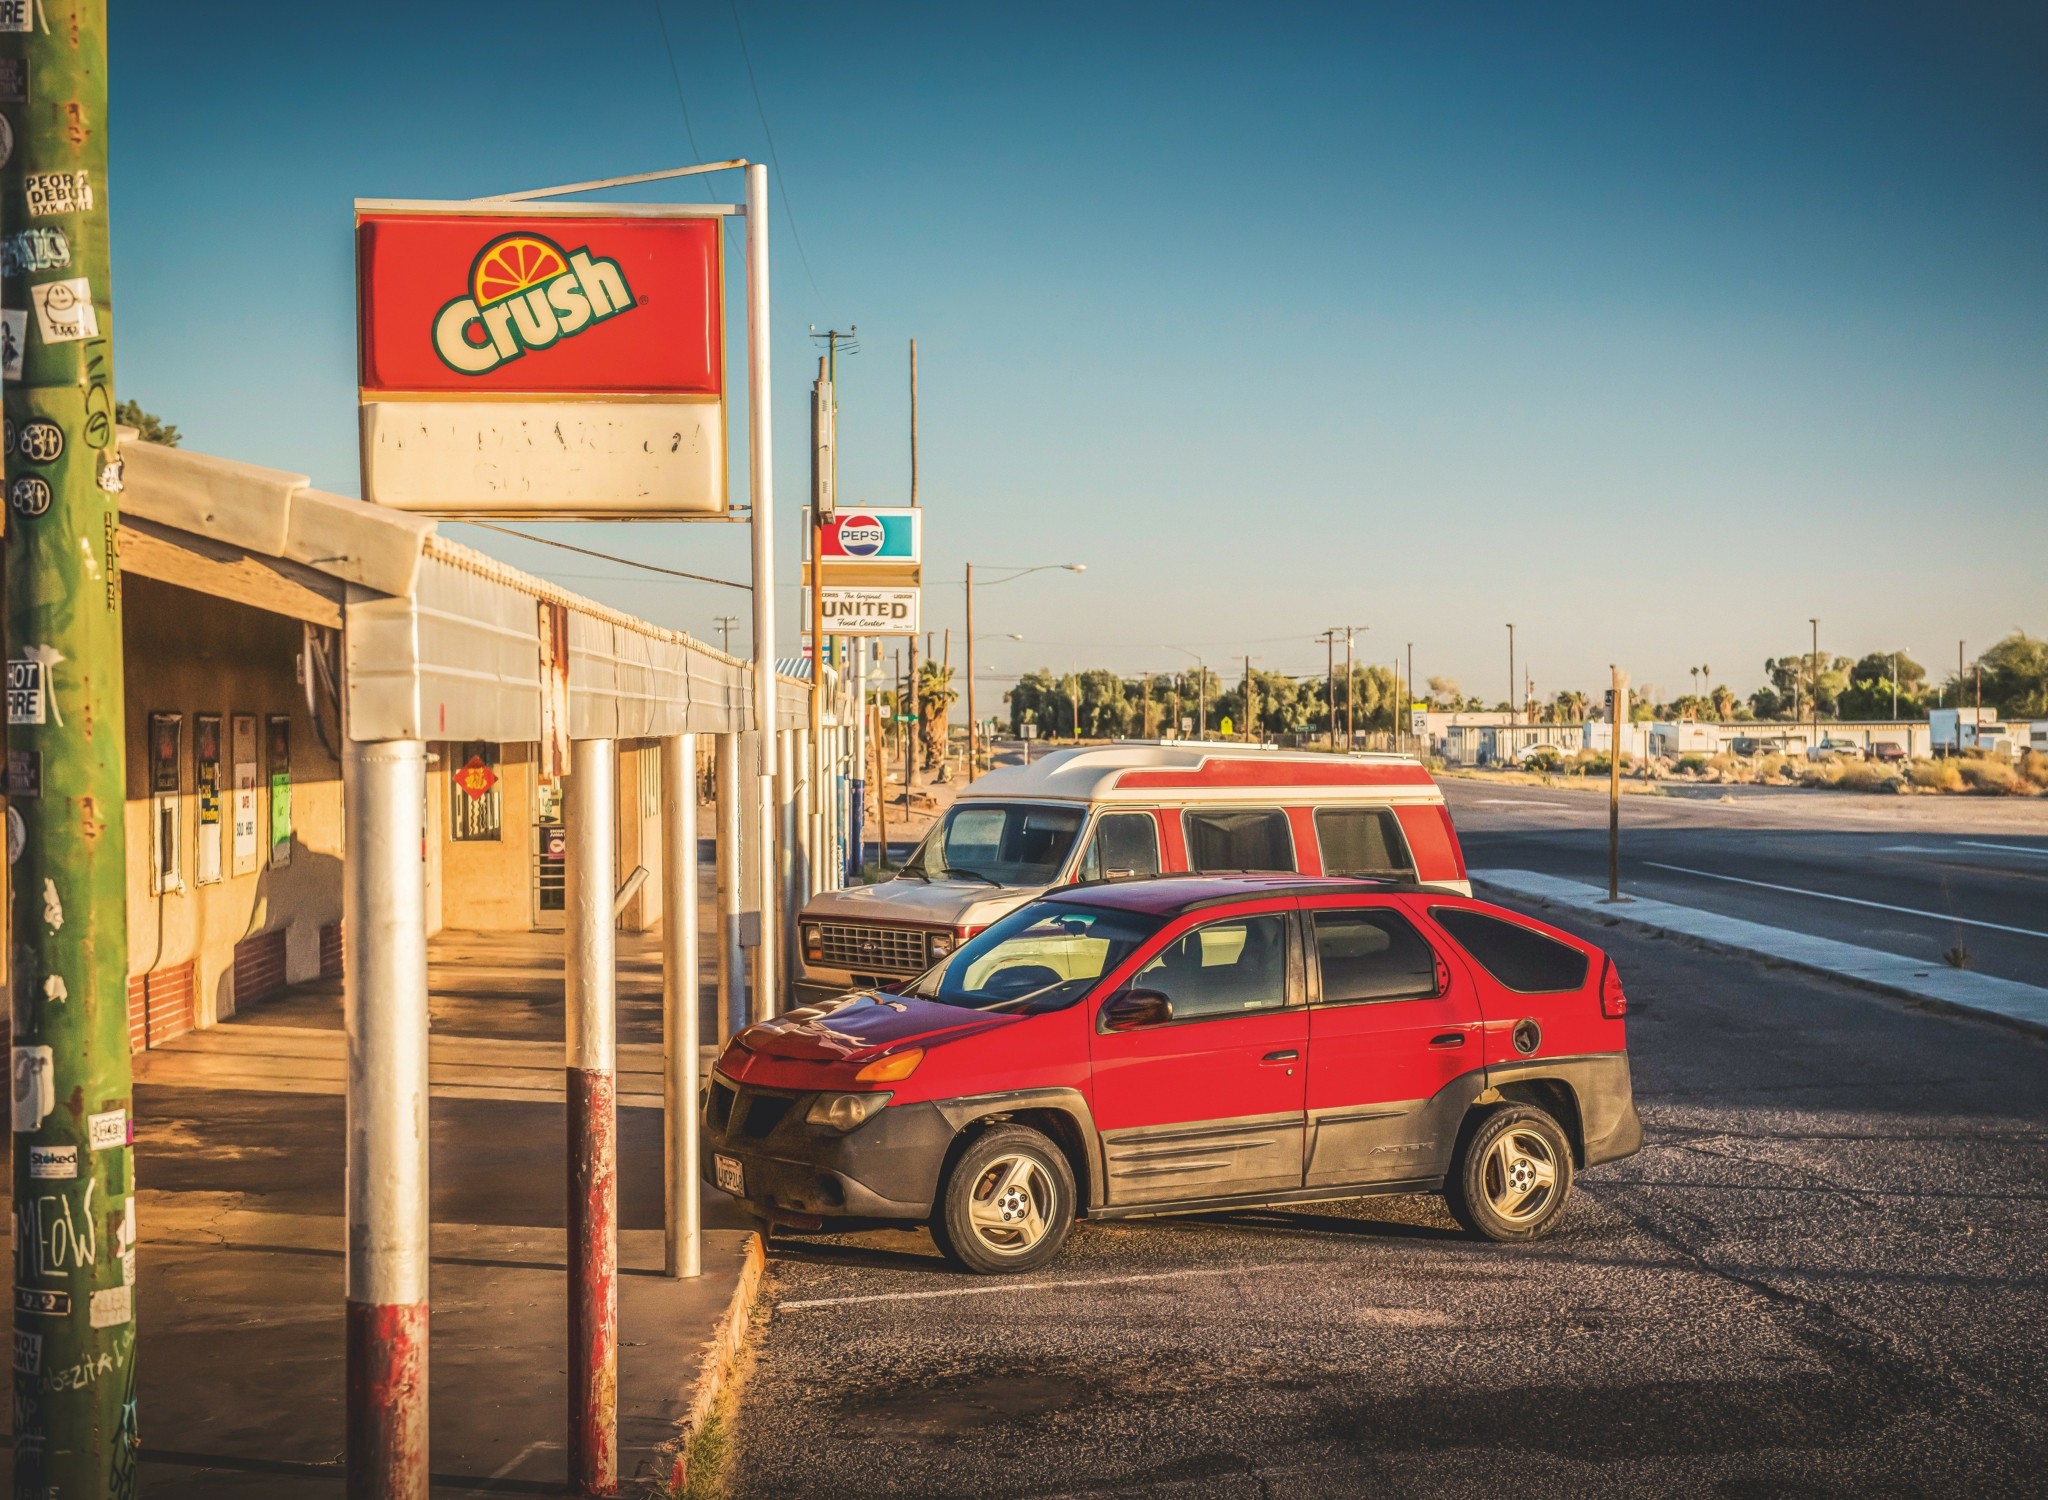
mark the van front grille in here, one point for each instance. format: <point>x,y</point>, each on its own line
<point>874,949</point>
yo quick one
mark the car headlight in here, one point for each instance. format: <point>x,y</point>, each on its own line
<point>941,944</point>
<point>844,1112</point>
<point>814,943</point>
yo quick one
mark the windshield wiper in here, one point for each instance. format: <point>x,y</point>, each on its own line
<point>957,870</point>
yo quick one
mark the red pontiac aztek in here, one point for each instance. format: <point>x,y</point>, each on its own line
<point>1152,1046</point>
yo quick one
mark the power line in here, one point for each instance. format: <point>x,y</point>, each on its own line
<point>624,562</point>
<point>682,102</point>
<point>781,182</point>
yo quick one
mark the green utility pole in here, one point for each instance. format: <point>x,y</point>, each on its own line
<point>74,1178</point>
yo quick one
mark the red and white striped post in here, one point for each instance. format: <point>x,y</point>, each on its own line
<point>385,1012</point>
<point>591,976</point>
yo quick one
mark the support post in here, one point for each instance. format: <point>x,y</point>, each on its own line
<point>761,491</point>
<point>732,962</point>
<point>384,1015</point>
<point>73,1106</point>
<point>786,869</point>
<point>591,977</point>
<point>1614,784</point>
<point>857,791</point>
<point>973,727</point>
<point>682,1220</point>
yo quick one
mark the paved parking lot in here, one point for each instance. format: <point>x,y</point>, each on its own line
<point>1823,1276</point>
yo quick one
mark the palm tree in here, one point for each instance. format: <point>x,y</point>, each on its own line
<point>935,694</point>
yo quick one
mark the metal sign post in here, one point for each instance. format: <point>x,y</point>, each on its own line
<point>1620,717</point>
<point>74,1179</point>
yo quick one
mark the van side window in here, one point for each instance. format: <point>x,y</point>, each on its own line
<point>1254,838</point>
<point>1363,841</point>
<point>1372,955</point>
<point>1125,846</point>
<point>1511,953</point>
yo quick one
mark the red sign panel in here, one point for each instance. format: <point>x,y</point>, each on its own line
<point>454,303</point>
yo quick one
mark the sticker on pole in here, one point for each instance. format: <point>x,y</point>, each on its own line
<point>64,310</point>
<point>53,1161</point>
<point>534,360</point>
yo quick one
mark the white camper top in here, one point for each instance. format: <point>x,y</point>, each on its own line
<point>1152,772</point>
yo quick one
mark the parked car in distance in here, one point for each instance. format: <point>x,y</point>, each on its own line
<point>1126,811</point>
<point>1156,1046</point>
<point>1891,752</point>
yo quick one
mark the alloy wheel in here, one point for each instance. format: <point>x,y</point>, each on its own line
<point>1013,1204</point>
<point>1520,1175</point>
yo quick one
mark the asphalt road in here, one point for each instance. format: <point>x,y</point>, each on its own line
<point>1914,875</point>
<point>1823,1276</point>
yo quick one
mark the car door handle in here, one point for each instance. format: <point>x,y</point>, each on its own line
<point>1448,1039</point>
<point>1285,1054</point>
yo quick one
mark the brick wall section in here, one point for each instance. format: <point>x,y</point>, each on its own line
<point>259,967</point>
<point>159,1006</point>
<point>330,950</point>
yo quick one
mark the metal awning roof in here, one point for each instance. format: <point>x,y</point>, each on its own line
<point>442,641</point>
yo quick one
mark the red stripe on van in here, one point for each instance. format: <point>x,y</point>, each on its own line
<point>1433,842</point>
<point>1224,771</point>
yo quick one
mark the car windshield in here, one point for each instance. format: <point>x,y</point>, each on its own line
<point>1041,957</point>
<point>999,843</point>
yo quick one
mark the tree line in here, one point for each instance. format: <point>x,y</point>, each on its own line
<point>1101,704</point>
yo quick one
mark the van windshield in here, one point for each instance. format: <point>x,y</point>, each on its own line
<point>997,843</point>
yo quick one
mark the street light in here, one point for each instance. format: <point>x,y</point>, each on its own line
<point>972,733</point>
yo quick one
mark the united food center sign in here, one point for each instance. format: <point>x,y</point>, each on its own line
<point>542,360</point>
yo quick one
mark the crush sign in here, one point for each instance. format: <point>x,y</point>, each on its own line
<point>541,359</point>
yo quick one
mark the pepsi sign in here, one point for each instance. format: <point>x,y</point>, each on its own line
<point>889,537</point>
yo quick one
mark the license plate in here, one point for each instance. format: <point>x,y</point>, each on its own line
<point>729,1175</point>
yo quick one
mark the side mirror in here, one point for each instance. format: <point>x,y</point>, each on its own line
<point>1134,1009</point>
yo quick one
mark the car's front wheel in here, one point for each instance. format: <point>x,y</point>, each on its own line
<point>1512,1176</point>
<point>1007,1204</point>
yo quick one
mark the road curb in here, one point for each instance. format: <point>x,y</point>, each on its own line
<point>1873,985</point>
<point>720,1355</point>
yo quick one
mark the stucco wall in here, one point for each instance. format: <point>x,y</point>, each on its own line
<point>192,654</point>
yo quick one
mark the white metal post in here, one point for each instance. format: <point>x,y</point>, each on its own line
<point>787,896</point>
<point>384,1006</point>
<point>856,802</point>
<point>732,963</point>
<point>682,1220</point>
<point>591,1033</point>
<point>761,488</point>
<point>803,806</point>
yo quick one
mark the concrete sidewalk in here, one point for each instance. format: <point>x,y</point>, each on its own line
<point>1891,973</point>
<point>240,1139</point>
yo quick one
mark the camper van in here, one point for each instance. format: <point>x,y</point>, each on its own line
<point>1117,812</point>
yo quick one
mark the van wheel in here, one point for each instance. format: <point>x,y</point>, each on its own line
<point>1512,1175</point>
<point>1007,1205</point>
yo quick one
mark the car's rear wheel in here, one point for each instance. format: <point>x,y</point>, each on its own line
<point>1512,1176</point>
<point>1008,1203</point>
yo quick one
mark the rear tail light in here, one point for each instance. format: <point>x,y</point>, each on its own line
<point>1613,1003</point>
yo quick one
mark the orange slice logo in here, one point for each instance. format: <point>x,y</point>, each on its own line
<point>510,265</point>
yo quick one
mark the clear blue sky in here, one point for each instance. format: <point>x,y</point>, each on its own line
<point>1653,329</point>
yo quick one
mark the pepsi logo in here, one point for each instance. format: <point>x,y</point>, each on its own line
<point>861,536</point>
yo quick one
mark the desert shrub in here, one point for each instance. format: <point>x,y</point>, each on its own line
<point>1936,775</point>
<point>1594,763</point>
<point>1693,763</point>
<point>1867,776</point>
<point>1546,759</point>
<point>1820,773</point>
<point>1990,775</point>
<point>2033,768</point>
<point>1768,766</point>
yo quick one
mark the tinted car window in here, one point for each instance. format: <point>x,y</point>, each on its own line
<point>1040,957</point>
<point>1372,955</point>
<point>1518,958</point>
<point>1363,841</point>
<point>1126,845</point>
<point>1223,969</point>
<point>1238,839</point>
<point>1004,843</point>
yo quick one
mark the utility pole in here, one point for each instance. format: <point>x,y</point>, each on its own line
<point>1329,640</point>
<point>1814,686</point>
<point>1411,689</point>
<point>1513,718</point>
<point>725,624</point>
<point>74,1177</point>
<point>1614,784</point>
<point>1248,710</point>
<point>973,729</point>
<point>916,712</point>
<point>824,510</point>
<point>1350,696</point>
